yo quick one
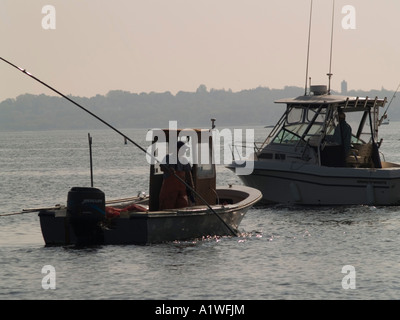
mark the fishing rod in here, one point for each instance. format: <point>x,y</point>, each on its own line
<point>72,101</point>
<point>59,207</point>
<point>125,137</point>
<point>56,207</point>
<point>384,116</point>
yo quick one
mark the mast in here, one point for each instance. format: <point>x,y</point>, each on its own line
<point>308,49</point>
<point>330,74</point>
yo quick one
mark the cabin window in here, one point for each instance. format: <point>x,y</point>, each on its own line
<point>280,156</point>
<point>295,115</point>
<point>313,111</point>
<point>265,156</point>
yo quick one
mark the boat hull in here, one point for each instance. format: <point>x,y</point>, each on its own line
<point>155,227</point>
<point>304,184</point>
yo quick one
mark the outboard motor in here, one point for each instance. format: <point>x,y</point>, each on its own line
<point>86,209</point>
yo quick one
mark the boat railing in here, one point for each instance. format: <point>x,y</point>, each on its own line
<point>237,149</point>
<point>258,146</point>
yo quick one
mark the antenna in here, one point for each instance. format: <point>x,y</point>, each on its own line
<point>330,74</point>
<point>91,160</point>
<point>308,49</point>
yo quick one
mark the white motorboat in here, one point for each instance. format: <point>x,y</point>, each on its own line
<point>299,163</point>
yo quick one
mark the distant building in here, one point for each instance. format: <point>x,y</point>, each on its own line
<point>344,87</point>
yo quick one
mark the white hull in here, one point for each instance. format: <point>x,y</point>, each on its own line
<point>307,184</point>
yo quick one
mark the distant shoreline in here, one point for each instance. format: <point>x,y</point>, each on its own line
<point>123,109</point>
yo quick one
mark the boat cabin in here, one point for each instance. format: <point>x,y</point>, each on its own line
<point>305,131</point>
<point>199,154</point>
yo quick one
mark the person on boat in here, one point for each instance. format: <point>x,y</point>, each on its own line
<point>342,136</point>
<point>174,193</point>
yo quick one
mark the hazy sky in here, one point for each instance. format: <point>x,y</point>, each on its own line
<point>173,45</point>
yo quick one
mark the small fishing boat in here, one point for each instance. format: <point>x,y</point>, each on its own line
<point>300,163</point>
<point>86,219</point>
<point>89,219</point>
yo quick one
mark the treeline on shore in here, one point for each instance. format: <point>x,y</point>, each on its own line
<point>124,109</point>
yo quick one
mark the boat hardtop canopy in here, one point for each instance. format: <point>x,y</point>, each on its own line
<point>312,121</point>
<point>345,102</point>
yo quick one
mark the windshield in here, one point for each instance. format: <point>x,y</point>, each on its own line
<point>302,123</point>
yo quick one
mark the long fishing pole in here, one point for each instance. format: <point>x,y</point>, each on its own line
<point>384,116</point>
<point>72,101</point>
<point>123,135</point>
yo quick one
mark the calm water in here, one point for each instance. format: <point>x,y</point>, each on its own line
<point>283,253</point>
